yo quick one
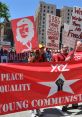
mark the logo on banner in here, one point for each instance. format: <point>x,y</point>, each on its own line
<point>60,67</point>
<point>61,84</point>
<point>25,32</point>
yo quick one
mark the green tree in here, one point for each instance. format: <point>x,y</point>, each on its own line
<point>4,17</point>
<point>4,12</point>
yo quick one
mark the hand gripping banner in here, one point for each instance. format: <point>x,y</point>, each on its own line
<point>37,85</point>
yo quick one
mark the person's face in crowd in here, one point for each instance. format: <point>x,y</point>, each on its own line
<point>23,29</point>
<point>64,49</point>
<point>79,46</point>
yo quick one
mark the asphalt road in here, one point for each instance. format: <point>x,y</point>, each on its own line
<point>49,112</point>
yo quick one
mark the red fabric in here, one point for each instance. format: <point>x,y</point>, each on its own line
<point>77,55</point>
<point>25,28</point>
<point>59,57</point>
<point>21,88</point>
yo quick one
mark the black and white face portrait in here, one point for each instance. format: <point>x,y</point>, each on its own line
<point>24,31</point>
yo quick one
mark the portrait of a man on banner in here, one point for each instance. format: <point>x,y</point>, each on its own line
<point>24,34</point>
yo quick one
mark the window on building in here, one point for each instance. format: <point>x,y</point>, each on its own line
<point>68,10</point>
<point>68,22</point>
<point>44,6</point>
<point>42,33</point>
<point>48,11</point>
<point>48,7</point>
<point>42,37</point>
<point>44,10</point>
<point>42,41</point>
<point>42,26</point>
<point>42,30</point>
<point>71,10</point>
<point>68,13</point>
<point>43,18</point>
<point>51,11</point>
<point>43,22</point>
<point>43,14</point>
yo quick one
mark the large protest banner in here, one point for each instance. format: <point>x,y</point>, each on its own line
<point>53,24</point>
<point>24,32</point>
<point>37,85</point>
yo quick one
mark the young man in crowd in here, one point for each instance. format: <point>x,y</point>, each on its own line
<point>40,55</point>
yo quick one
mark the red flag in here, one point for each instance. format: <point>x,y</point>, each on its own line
<point>25,35</point>
<point>38,85</point>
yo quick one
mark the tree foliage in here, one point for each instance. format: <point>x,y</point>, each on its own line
<point>4,11</point>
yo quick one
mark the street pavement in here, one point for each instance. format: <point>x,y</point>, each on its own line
<point>50,112</point>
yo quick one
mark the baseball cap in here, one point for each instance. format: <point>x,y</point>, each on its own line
<point>41,46</point>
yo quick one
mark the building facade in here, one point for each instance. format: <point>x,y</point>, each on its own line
<point>66,13</point>
<point>40,19</point>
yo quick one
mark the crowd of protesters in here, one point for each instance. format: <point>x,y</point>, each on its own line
<point>41,55</point>
<point>12,57</point>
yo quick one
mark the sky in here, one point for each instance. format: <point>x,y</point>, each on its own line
<point>23,8</point>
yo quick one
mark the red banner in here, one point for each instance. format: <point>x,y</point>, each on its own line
<point>38,85</point>
<point>24,32</point>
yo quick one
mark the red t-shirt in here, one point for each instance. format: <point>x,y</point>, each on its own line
<point>77,55</point>
<point>59,57</point>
